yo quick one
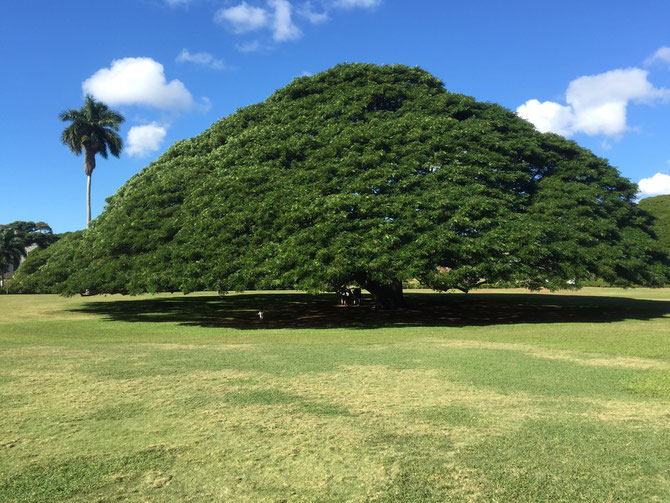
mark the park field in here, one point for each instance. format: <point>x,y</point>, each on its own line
<point>490,396</point>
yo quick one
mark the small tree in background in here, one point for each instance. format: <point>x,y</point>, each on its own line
<point>16,237</point>
<point>46,269</point>
<point>93,131</point>
<point>38,233</point>
<point>12,248</point>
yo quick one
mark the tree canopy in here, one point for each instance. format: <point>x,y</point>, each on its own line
<point>369,175</point>
<point>38,233</point>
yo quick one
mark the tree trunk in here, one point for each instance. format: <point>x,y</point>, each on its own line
<point>89,166</point>
<point>88,201</point>
<point>386,296</point>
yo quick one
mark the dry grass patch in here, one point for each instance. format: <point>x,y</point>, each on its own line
<point>634,413</point>
<point>572,356</point>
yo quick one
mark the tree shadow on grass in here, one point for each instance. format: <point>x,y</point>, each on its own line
<point>298,310</point>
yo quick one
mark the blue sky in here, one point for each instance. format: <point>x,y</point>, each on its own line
<point>596,71</point>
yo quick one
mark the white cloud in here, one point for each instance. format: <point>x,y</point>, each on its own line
<point>205,105</point>
<point>600,101</point>
<point>547,116</point>
<point>243,18</point>
<point>137,81</point>
<point>307,11</point>
<point>200,58</point>
<point>348,4</point>
<point>277,17</point>
<point>654,186</point>
<point>283,26</point>
<point>661,55</point>
<point>253,46</point>
<point>142,140</point>
<point>596,104</point>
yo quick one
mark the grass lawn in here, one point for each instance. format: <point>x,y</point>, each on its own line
<point>493,396</point>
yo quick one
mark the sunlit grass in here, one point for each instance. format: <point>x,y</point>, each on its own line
<point>174,398</point>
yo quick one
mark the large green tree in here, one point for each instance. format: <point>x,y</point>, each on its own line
<point>369,175</point>
<point>93,130</point>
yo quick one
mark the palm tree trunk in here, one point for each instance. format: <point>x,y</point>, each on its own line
<point>89,166</point>
<point>88,201</point>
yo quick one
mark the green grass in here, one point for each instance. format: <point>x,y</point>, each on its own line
<point>493,396</point>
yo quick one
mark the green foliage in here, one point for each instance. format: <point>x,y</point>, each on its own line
<point>93,128</point>
<point>17,236</point>
<point>32,233</point>
<point>659,207</point>
<point>12,249</point>
<point>370,175</point>
<point>46,270</point>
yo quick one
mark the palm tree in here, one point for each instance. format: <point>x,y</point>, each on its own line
<point>94,131</point>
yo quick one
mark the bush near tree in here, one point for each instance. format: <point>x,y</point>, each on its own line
<point>369,175</point>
